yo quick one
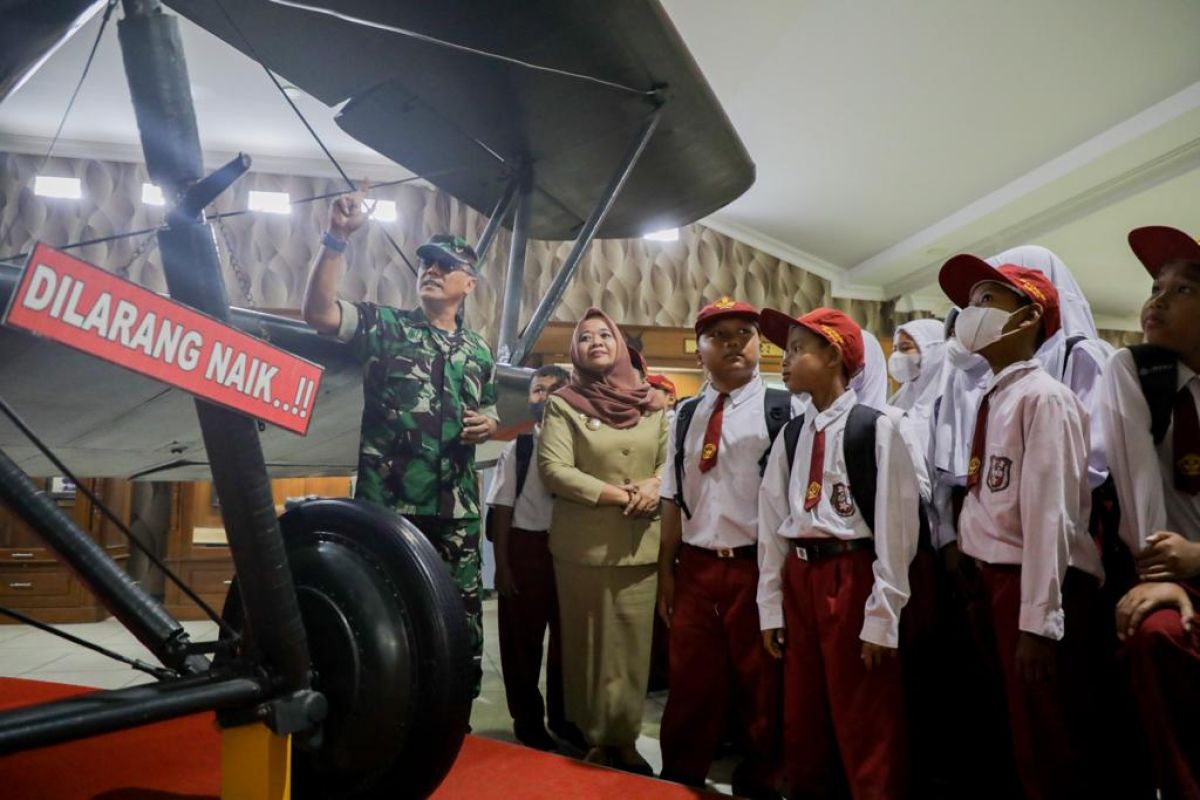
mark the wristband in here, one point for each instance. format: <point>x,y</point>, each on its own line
<point>331,242</point>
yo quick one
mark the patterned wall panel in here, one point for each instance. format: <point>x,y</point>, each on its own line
<point>637,281</point>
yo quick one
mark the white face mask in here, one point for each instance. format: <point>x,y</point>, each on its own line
<point>904,367</point>
<point>977,327</point>
<point>963,359</point>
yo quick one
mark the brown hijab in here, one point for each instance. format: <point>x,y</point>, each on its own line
<point>617,398</point>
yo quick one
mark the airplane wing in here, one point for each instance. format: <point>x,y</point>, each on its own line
<point>104,421</point>
<point>470,120</point>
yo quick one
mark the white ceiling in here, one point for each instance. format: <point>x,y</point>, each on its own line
<point>888,134</point>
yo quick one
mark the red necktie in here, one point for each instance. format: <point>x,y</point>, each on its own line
<point>816,472</point>
<point>712,436</point>
<point>1186,443</point>
<point>975,465</point>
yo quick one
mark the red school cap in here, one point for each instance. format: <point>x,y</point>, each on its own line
<point>964,272</point>
<point>661,382</point>
<point>1157,245</point>
<point>724,307</point>
<point>830,324</point>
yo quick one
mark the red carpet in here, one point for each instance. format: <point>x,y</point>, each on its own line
<point>180,760</point>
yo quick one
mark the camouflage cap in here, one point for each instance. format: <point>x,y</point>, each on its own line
<point>447,250</point>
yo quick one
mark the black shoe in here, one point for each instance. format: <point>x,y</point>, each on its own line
<point>535,736</point>
<point>571,735</point>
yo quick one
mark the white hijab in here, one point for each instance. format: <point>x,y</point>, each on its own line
<point>954,423</point>
<point>870,384</point>
<point>930,336</point>
<point>1073,308</point>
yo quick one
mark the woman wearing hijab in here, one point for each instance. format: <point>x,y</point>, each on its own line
<point>918,356</point>
<point>602,447</point>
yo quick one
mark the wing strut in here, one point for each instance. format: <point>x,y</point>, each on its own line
<point>550,301</point>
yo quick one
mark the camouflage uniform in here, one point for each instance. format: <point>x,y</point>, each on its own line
<point>418,381</point>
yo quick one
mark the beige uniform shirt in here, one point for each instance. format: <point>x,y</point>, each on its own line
<point>576,462</point>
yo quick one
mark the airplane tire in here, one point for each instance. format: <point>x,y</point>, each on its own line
<point>389,644</point>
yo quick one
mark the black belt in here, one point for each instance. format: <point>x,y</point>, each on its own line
<point>745,551</point>
<point>817,549</point>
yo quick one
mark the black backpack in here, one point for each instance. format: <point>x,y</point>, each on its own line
<point>524,457</point>
<point>1157,374</point>
<point>858,447</point>
<point>777,405</point>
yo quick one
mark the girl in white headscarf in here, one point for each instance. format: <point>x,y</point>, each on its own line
<point>918,357</point>
<point>964,381</point>
<point>1075,354</point>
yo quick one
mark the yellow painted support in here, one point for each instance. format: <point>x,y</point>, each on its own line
<point>256,764</point>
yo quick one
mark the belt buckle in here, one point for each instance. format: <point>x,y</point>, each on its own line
<point>802,552</point>
<point>724,552</point>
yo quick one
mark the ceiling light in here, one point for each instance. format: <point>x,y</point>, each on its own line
<point>271,202</point>
<point>668,235</point>
<point>383,211</point>
<point>152,195</point>
<point>47,186</point>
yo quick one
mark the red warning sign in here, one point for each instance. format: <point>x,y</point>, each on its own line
<point>82,306</point>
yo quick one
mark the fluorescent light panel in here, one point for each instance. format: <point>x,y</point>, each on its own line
<point>669,235</point>
<point>152,195</point>
<point>50,186</point>
<point>271,202</point>
<point>383,211</point>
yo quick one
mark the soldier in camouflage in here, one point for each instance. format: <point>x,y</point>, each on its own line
<point>429,396</point>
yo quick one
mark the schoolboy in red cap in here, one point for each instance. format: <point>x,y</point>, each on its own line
<point>663,384</point>
<point>1024,522</point>
<point>708,572</point>
<point>833,559</point>
<point>1150,407</point>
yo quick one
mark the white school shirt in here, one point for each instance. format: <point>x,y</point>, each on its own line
<point>534,507</point>
<point>1143,472</point>
<point>724,500</point>
<point>1032,502</point>
<point>782,518</point>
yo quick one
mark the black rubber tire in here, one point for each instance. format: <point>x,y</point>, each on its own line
<point>389,643</point>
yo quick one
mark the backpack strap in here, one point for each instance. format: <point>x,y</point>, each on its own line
<point>777,404</point>
<point>858,448</point>
<point>524,457</point>
<point>1157,375</point>
<point>683,419</point>
<point>1071,342</point>
<point>791,436</point>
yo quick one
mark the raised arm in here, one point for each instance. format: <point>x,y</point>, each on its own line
<point>346,215</point>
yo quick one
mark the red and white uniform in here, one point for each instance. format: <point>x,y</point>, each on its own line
<point>714,638</point>
<point>838,718</point>
<point>524,618</point>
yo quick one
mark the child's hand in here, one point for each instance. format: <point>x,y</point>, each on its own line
<point>1037,657</point>
<point>666,595</point>
<point>1144,598</point>
<point>773,640</point>
<point>1168,557</point>
<point>874,654</point>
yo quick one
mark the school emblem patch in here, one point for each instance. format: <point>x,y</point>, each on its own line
<point>843,501</point>
<point>1189,464</point>
<point>999,470</point>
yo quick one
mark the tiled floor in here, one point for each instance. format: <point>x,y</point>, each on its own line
<point>26,652</point>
